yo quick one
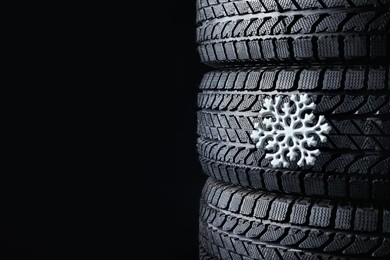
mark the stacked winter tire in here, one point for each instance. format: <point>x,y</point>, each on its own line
<point>294,129</point>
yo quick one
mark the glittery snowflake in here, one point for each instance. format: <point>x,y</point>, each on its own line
<point>288,129</point>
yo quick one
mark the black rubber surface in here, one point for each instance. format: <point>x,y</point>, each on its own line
<point>334,175</point>
<point>245,32</point>
<point>203,255</point>
<point>240,223</point>
<point>209,9</point>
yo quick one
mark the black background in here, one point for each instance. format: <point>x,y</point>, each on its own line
<point>172,177</point>
<point>188,174</point>
<point>179,179</point>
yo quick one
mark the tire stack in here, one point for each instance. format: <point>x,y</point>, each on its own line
<point>273,59</point>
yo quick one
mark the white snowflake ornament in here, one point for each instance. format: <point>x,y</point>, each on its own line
<point>288,130</point>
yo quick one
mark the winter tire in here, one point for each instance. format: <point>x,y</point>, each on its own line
<point>240,223</point>
<point>353,161</point>
<point>278,31</point>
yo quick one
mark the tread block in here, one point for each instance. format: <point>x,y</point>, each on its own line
<point>366,219</point>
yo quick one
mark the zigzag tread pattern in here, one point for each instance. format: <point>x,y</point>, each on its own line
<point>370,164</point>
<point>212,9</point>
<point>336,142</point>
<point>316,184</point>
<point>326,104</point>
<point>351,79</point>
<point>225,246</point>
<point>352,48</point>
<point>373,135</point>
<point>319,226</point>
<point>352,35</point>
<point>312,23</point>
<point>213,250</point>
<point>300,4</point>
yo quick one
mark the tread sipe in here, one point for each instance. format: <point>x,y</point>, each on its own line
<point>256,32</point>
<point>354,160</point>
<point>240,223</point>
<point>209,9</point>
